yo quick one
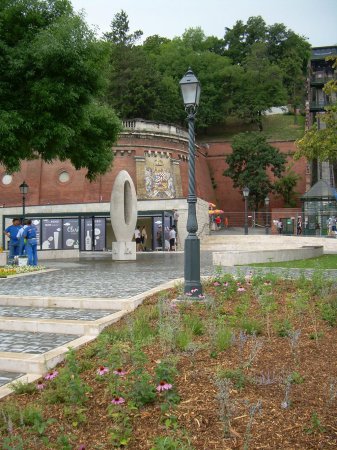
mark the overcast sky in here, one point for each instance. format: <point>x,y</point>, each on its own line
<point>315,19</point>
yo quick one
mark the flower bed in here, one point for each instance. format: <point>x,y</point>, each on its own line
<point>9,270</point>
<point>252,365</point>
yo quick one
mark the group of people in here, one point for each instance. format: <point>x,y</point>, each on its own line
<point>140,238</point>
<point>22,241</point>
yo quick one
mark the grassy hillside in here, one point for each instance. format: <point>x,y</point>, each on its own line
<point>276,127</point>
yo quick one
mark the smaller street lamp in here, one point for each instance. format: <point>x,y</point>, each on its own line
<point>266,202</point>
<point>245,192</point>
<point>24,191</point>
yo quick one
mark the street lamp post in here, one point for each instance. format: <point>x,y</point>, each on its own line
<point>245,192</point>
<point>24,191</point>
<point>266,202</point>
<point>190,89</point>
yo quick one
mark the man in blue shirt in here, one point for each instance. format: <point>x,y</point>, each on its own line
<point>14,242</point>
<point>29,233</point>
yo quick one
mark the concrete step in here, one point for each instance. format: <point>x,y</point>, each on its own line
<point>67,302</point>
<point>75,327</point>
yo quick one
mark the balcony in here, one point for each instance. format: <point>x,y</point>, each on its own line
<point>319,106</point>
<point>318,79</point>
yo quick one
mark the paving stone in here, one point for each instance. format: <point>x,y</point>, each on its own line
<point>26,342</point>
<point>54,313</point>
<point>99,276</point>
<point>8,377</point>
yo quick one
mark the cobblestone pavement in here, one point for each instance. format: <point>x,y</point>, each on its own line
<point>8,377</point>
<point>99,276</point>
<point>54,313</point>
<point>26,342</point>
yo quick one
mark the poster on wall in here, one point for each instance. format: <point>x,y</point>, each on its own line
<point>51,234</point>
<point>37,225</point>
<point>70,234</point>
<point>99,243</point>
<point>87,242</point>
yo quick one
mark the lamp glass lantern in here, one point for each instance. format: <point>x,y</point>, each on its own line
<point>266,201</point>
<point>245,192</point>
<point>24,188</point>
<point>190,89</point>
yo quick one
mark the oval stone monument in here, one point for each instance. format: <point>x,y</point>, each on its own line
<point>123,213</point>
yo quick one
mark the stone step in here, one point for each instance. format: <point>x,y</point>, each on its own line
<point>74,327</point>
<point>38,363</point>
<point>66,302</point>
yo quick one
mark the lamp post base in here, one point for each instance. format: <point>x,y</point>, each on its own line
<point>192,266</point>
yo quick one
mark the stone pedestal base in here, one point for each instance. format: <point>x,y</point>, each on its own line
<point>3,258</point>
<point>123,251</point>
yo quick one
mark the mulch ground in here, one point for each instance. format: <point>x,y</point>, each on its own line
<point>309,421</point>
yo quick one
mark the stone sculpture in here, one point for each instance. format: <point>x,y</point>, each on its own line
<point>123,213</point>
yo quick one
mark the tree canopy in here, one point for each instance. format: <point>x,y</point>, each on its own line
<point>254,67</point>
<point>256,164</point>
<point>52,80</point>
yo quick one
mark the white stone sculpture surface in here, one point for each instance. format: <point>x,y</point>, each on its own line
<point>123,213</point>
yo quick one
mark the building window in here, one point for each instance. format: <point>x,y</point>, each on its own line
<point>64,177</point>
<point>7,179</point>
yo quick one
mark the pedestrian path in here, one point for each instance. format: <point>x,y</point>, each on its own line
<point>44,314</point>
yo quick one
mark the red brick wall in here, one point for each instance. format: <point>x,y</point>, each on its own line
<point>45,187</point>
<point>228,198</point>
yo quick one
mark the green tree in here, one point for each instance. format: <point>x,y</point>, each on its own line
<point>285,187</point>
<point>258,87</point>
<point>119,34</point>
<point>52,79</point>
<point>256,164</point>
<point>214,72</point>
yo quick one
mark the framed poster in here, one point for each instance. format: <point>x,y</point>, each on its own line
<point>51,234</point>
<point>70,234</point>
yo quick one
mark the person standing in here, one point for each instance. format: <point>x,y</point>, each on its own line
<point>22,244</point>
<point>138,239</point>
<point>175,219</point>
<point>143,238</point>
<point>172,237</point>
<point>29,234</point>
<point>299,226</point>
<point>14,244</point>
<point>280,226</point>
<point>218,222</point>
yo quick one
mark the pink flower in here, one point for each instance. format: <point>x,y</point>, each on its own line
<point>201,296</point>
<point>164,386</point>
<point>118,401</point>
<point>173,305</point>
<point>40,385</point>
<point>241,289</point>
<point>120,372</point>
<point>102,370</point>
<point>51,375</point>
<point>226,284</point>
<point>189,294</point>
<point>216,283</point>
<point>194,290</point>
<point>81,447</point>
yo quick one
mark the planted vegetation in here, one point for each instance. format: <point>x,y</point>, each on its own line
<point>251,365</point>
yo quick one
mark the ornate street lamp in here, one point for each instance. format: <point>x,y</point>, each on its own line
<point>266,202</point>
<point>24,191</point>
<point>245,192</point>
<point>190,89</point>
